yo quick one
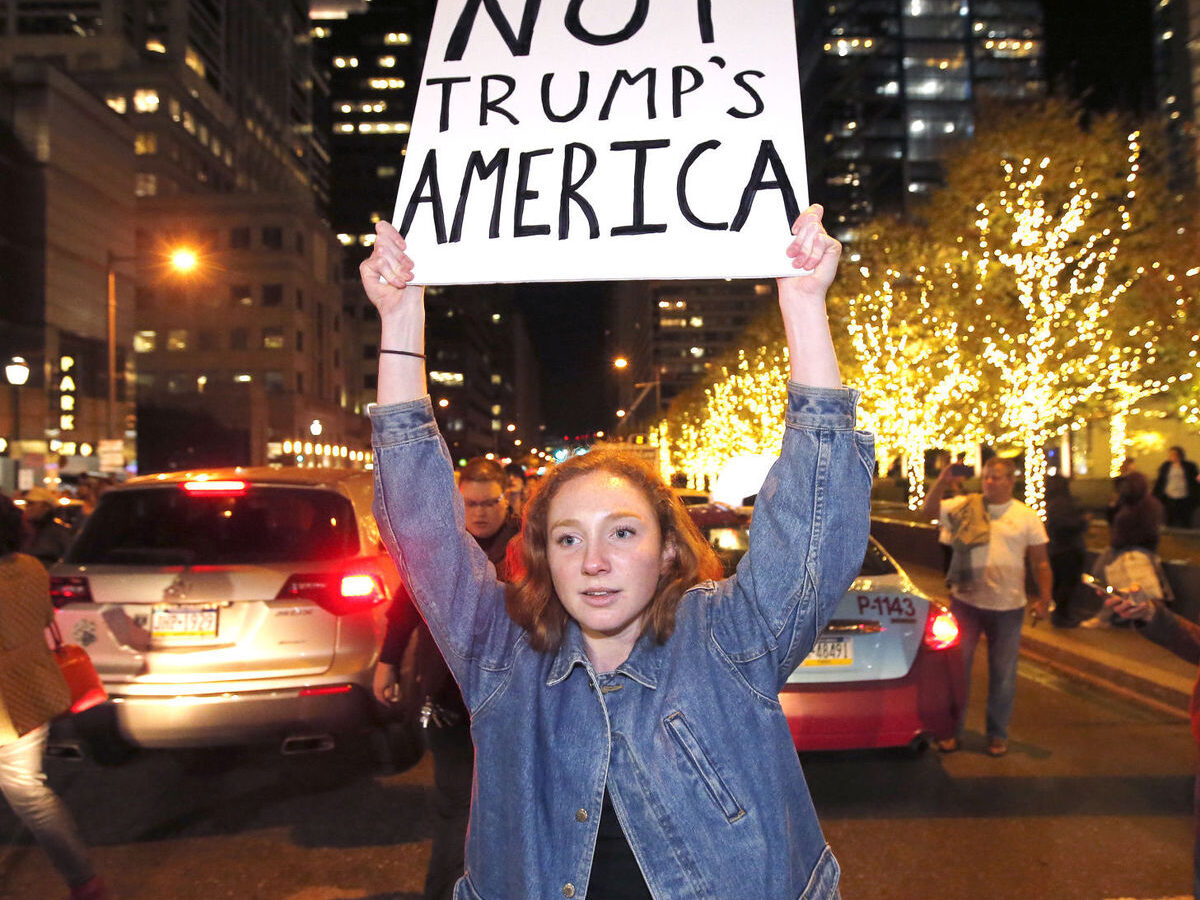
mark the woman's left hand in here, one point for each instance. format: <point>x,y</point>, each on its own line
<point>813,250</point>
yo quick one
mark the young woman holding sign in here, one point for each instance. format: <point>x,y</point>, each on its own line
<point>629,740</point>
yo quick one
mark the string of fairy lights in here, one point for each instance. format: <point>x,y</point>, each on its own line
<point>1023,331</point>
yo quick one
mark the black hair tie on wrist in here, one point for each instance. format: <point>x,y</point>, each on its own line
<point>404,353</point>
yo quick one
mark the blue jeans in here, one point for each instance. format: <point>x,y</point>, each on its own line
<point>1002,628</point>
<point>24,787</point>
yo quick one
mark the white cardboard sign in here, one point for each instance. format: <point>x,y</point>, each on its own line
<point>577,140</point>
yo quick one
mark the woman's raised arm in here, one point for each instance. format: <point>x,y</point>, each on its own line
<point>802,301</point>
<point>386,276</point>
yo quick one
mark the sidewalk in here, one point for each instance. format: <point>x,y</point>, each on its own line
<point>1115,659</point>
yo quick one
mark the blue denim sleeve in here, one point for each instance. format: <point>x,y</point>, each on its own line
<point>421,519</point>
<point>808,536</point>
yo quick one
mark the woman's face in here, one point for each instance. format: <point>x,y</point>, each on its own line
<point>606,554</point>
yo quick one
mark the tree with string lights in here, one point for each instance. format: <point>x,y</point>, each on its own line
<point>1046,278</point>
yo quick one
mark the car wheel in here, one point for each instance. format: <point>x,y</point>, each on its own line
<point>915,748</point>
<point>98,735</point>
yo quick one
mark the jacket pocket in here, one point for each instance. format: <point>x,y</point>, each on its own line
<point>684,736</point>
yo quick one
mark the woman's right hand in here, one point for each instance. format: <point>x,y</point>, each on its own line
<point>388,272</point>
<point>1132,603</point>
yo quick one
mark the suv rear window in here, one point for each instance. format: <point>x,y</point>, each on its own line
<point>166,526</point>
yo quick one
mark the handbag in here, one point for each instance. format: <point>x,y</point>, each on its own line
<point>79,673</point>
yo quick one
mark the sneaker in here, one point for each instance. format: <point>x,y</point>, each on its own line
<point>1094,622</point>
<point>997,746</point>
<point>949,745</point>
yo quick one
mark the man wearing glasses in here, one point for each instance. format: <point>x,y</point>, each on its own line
<point>447,729</point>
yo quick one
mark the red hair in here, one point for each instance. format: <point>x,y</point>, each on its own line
<point>531,599</point>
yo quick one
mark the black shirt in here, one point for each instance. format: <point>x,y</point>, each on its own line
<point>615,872</point>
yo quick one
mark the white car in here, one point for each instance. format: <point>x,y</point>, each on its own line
<point>230,607</point>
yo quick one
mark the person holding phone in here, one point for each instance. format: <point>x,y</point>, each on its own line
<point>623,697</point>
<point>995,537</point>
<point>1153,621</point>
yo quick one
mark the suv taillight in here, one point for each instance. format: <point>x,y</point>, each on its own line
<point>941,629</point>
<point>340,593</point>
<point>66,589</point>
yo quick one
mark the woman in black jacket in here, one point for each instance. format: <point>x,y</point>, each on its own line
<point>1178,488</point>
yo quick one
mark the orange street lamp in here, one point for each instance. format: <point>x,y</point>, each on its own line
<point>184,260</point>
<point>620,362</point>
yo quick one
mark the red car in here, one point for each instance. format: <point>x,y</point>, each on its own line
<point>886,671</point>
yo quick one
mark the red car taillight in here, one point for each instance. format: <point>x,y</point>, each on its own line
<point>340,593</point>
<point>66,589</point>
<point>941,629</point>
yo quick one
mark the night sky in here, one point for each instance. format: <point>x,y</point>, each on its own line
<point>1097,50</point>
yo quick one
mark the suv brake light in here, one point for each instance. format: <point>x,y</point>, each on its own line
<point>340,593</point>
<point>215,487</point>
<point>66,589</point>
<point>941,629</point>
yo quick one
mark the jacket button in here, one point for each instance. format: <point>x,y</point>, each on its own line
<point>581,815</point>
<point>568,890</point>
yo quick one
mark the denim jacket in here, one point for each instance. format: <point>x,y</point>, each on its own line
<point>688,736</point>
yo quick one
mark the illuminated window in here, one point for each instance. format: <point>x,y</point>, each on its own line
<point>145,100</point>
<point>397,37</point>
<point>116,102</point>
<point>173,109</point>
<point>320,32</point>
<point>145,184</point>
<point>243,378</point>
<point>240,295</point>
<point>382,127</point>
<point>496,379</point>
<point>145,143</point>
<point>386,62</point>
<point>345,62</point>
<point>385,84</point>
<point>145,341</point>
<point>696,321</point>
<point>272,338</point>
<point>385,172</point>
<point>193,61</point>
<point>447,379</point>
<point>496,409</point>
<point>189,122</point>
<point>177,339</point>
<point>496,426</point>
<point>696,352</point>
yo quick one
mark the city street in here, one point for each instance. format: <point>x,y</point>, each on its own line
<point>1092,802</point>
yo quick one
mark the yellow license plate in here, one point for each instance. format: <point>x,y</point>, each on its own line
<point>831,651</point>
<point>183,622</point>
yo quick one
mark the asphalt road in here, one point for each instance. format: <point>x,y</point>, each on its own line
<point>1092,802</point>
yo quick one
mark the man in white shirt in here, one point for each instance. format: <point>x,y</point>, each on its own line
<point>987,589</point>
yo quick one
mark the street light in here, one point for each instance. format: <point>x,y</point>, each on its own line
<point>17,373</point>
<point>626,415</point>
<point>184,261</point>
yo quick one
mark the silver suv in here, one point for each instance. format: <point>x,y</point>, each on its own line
<point>231,606</point>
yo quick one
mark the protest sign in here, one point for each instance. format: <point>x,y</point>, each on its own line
<point>572,140</point>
